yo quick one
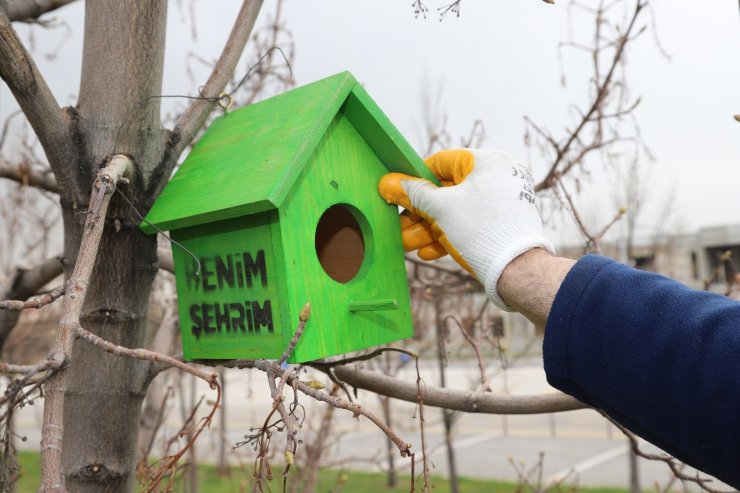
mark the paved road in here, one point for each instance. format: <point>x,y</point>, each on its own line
<point>579,445</point>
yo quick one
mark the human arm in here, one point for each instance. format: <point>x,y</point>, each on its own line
<point>660,358</point>
<point>530,282</point>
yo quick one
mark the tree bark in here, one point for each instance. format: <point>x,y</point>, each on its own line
<point>53,428</point>
<point>122,64</point>
<point>18,10</point>
<point>447,414</point>
<point>118,112</point>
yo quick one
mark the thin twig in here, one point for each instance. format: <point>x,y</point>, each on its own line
<point>43,365</point>
<point>302,319</point>
<point>276,391</point>
<point>593,241</point>
<point>602,91</point>
<point>435,266</point>
<point>39,302</point>
<point>674,464</point>
<point>169,464</point>
<point>145,355</point>
<point>421,395</point>
<point>485,384</point>
<point>620,213</point>
<point>324,365</point>
<point>193,118</point>
<point>304,387</point>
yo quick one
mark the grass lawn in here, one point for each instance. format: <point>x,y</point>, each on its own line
<point>329,481</point>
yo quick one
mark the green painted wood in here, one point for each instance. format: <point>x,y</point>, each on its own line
<point>372,305</point>
<point>382,136</point>
<point>234,308</point>
<point>344,170</point>
<point>249,159</point>
<point>258,183</point>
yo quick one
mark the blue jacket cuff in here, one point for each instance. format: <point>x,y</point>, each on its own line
<point>555,348</point>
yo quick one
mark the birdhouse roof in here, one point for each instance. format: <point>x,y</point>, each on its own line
<point>248,160</point>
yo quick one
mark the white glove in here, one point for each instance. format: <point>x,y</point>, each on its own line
<point>485,216</point>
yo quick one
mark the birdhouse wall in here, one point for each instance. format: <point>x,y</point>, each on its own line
<point>233,307</point>
<point>373,307</point>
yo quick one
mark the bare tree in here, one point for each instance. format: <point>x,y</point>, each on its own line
<point>94,404</point>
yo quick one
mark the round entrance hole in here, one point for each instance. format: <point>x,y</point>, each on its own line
<point>340,245</point>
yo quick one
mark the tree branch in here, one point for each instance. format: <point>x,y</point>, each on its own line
<point>26,283</point>
<point>23,284</point>
<point>602,92</point>
<point>19,10</point>
<point>52,474</point>
<point>195,116</point>
<point>145,355</point>
<point>28,177</point>
<point>302,319</point>
<point>673,464</point>
<point>33,95</point>
<point>43,365</point>
<point>272,367</point>
<point>37,303</point>
<point>458,400</point>
<point>166,262</point>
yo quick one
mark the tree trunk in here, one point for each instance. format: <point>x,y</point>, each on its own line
<point>223,467</point>
<point>118,112</point>
<point>634,472</point>
<point>104,392</point>
<point>313,450</point>
<point>390,447</point>
<point>447,415</point>
<point>122,64</point>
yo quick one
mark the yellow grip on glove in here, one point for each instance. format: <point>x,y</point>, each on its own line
<point>419,231</point>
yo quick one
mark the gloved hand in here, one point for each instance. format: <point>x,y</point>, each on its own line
<point>484,216</point>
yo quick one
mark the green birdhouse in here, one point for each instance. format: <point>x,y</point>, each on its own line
<point>277,206</point>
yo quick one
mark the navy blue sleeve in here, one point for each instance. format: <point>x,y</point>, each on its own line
<point>657,356</point>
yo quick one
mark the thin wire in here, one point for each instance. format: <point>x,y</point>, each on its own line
<point>259,62</point>
<point>142,218</point>
<point>211,99</point>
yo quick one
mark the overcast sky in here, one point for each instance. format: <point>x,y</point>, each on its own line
<point>497,62</point>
